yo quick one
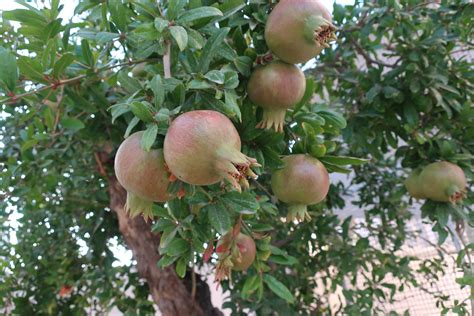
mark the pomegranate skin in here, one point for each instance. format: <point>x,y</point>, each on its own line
<point>203,147</point>
<point>298,30</point>
<point>142,173</point>
<point>276,87</point>
<point>244,254</point>
<point>303,181</point>
<point>414,186</point>
<point>443,182</point>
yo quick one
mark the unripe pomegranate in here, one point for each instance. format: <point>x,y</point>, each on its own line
<point>203,147</point>
<point>240,250</point>
<point>276,87</point>
<point>301,182</point>
<point>143,174</point>
<point>443,182</point>
<point>413,185</point>
<point>298,30</point>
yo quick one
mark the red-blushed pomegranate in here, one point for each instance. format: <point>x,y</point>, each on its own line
<point>301,182</point>
<point>236,253</point>
<point>413,185</point>
<point>443,182</point>
<point>203,147</point>
<point>298,30</point>
<point>143,174</point>
<point>276,87</point>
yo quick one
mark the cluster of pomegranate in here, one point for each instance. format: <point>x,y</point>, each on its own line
<point>440,181</point>
<point>203,147</point>
<point>296,31</point>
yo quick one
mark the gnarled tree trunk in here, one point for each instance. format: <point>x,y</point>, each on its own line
<point>169,292</point>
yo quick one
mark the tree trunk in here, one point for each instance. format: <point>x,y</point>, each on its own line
<point>168,291</point>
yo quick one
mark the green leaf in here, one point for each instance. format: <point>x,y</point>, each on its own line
<point>244,202</point>
<point>161,24</point>
<point>250,285</point>
<point>198,13</point>
<point>9,69</point>
<point>232,106</point>
<point>119,109</point>
<point>180,36</point>
<point>62,63</point>
<point>156,85</point>
<point>31,68</point>
<point>333,118</point>
<point>195,39</point>
<point>177,247</point>
<point>181,267</point>
<point>72,123</point>
<point>142,111</point>
<point>166,261</point>
<point>167,236</point>
<point>131,126</point>
<point>218,217</point>
<point>86,53</point>
<point>210,49</point>
<point>104,37</point>
<point>243,65</point>
<point>118,14</point>
<point>283,260</point>
<point>215,76</point>
<point>174,8</point>
<point>149,137</point>
<point>373,92</point>
<point>308,94</point>
<point>278,288</point>
<point>343,161</point>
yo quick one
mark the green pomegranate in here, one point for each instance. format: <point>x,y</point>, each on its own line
<point>413,185</point>
<point>240,250</point>
<point>301,182</point>
<point>143,174</point>
<point>276,87</point>
<point>443,182</point>
<point>298,30</point>
<point>203,147</point>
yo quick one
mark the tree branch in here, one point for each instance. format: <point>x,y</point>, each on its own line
<point>54,85</point>
<point>167,60</point>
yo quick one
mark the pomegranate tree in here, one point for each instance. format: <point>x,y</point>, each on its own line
<point>443,181</point>
<point>143,174</point>
<point>298,30</point>
<point>203,147</point>
<point>276,87</point>
<point>301,182</point>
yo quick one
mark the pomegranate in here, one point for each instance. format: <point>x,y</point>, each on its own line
<point>302,181</point>
<point>143,174</point>
<point>443,182</point>
<point>203,147</point>
<point>413,185</point>
<point>276,87</point>
<point>241,250</point>
<point>298,30</point>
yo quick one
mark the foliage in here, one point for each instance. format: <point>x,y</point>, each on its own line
<point>73,90</point>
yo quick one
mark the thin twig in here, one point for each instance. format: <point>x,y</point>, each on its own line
<point>193,279</point>
<point>167,60</point>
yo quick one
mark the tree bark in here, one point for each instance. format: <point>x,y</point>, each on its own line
<point>168,291</point>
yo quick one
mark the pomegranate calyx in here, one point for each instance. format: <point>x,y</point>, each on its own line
<point>235,167</point>
<point>273,119</point>
<point>135,206</point>
<point>298,212</point>
<point>319,30</point>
